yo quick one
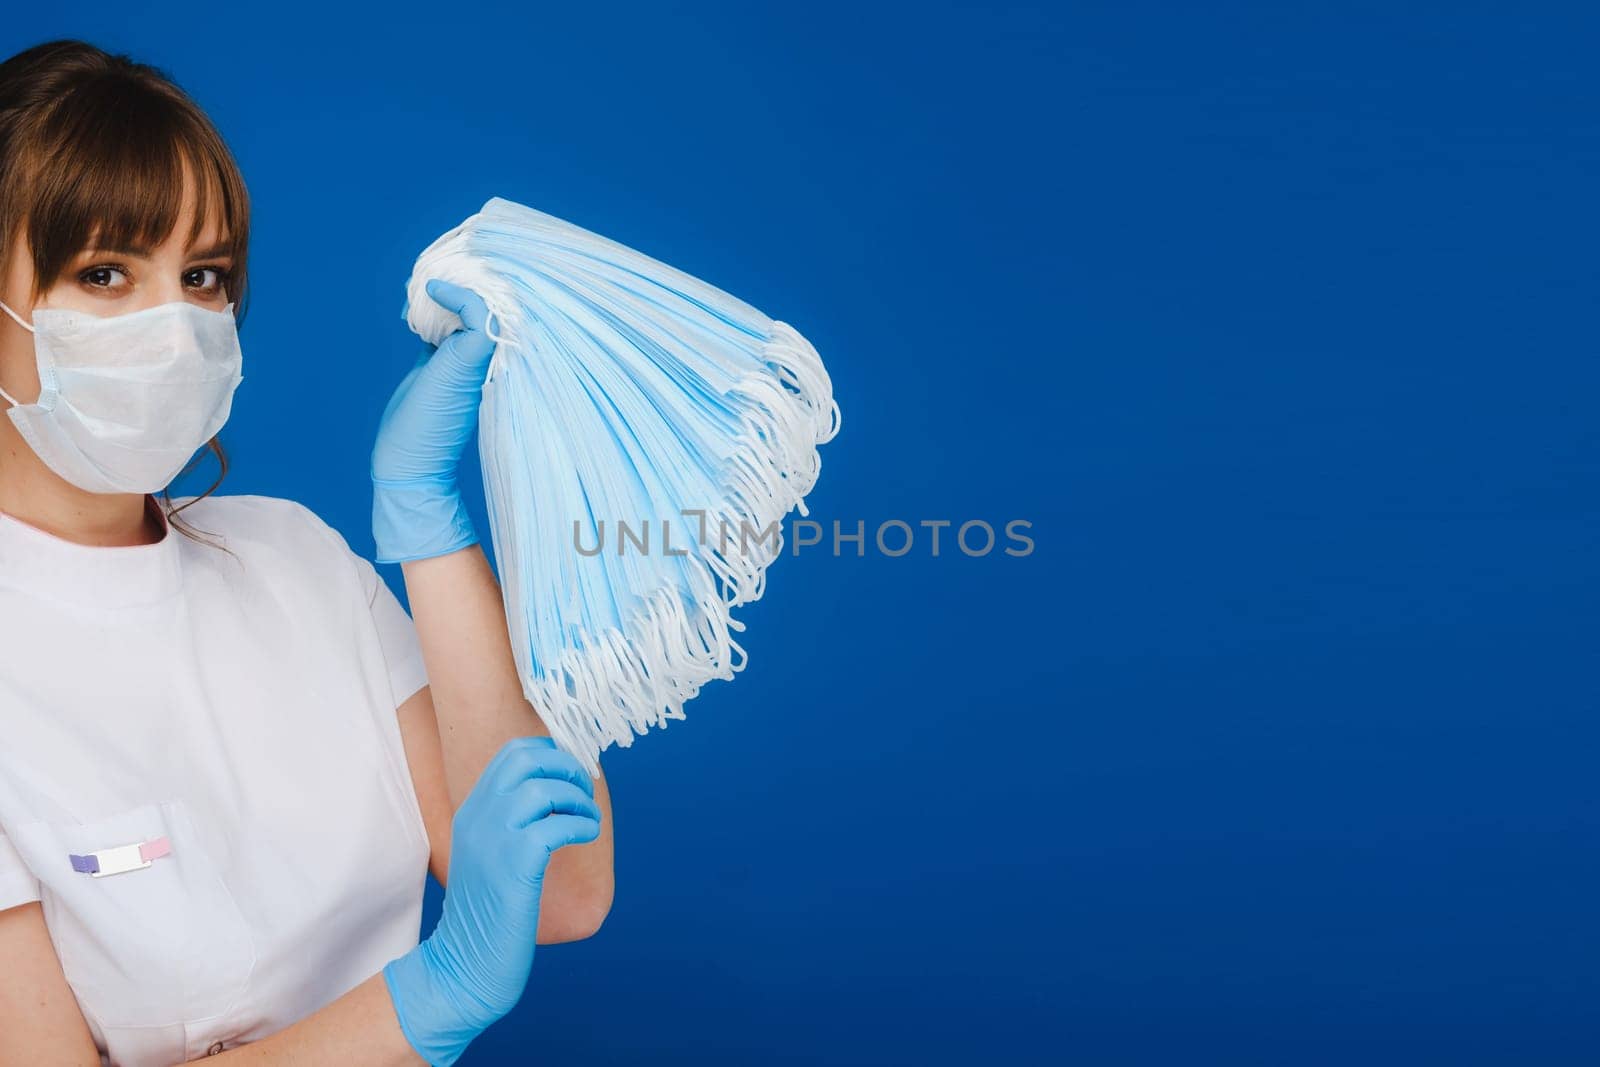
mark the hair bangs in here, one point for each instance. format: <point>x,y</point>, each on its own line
<point>114,163</point>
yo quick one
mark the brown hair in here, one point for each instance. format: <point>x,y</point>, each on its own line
<point>93,147</point>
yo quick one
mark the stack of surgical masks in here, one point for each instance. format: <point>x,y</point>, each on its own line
<point>642,436</point>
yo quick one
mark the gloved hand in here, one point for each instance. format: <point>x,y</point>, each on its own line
<point>417,509</point>
<point>530,800</point>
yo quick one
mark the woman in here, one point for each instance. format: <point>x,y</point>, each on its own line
<point>228,758</point>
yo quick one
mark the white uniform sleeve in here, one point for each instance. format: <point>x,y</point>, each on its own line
<point>17,883</point>
<point>396,632</point>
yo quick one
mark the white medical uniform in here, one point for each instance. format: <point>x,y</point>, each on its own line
<point>241,706</point>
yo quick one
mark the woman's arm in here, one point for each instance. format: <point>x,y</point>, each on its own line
<point>360,1029</point>
<point>478,705</point>
<point>420,521</point>
<point>40,1021</point>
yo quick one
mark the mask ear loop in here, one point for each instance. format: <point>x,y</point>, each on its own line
<point>13,314</point>
<point>488,330</point>
<point>3,307</point>
<point>499,344</point>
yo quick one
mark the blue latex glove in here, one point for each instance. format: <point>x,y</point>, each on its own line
<point>529,801</point>
<point>417,510</point>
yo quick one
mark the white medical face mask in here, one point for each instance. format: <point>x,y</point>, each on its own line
<point>124,401</point>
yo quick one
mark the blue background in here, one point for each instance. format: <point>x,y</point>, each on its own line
<point>1278,325</point>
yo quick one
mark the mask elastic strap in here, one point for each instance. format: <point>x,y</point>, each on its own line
<point>488,330</point>
<point>13,314</point>
<point>14,401</point>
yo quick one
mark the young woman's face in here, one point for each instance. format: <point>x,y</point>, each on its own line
<point>113,281</point>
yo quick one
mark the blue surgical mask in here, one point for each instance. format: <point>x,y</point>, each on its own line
<point>624,391</point>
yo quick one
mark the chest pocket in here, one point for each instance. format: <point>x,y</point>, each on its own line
<point>150,946</point>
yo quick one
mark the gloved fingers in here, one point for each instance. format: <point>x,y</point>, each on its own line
<point>467,305</point>
<point>460,362</point>
<point>498,775</point>
<point>542,761</point>
<point>558,831</point>
<point>463,357</point>
<point>538,798</point>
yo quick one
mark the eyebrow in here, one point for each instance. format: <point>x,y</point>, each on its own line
<point>222,248</point>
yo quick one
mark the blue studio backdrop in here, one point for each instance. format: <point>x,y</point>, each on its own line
<point>1277,325</point>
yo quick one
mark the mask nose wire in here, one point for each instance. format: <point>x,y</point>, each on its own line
<point>4,307</point>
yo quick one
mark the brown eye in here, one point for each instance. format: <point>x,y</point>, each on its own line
<point>100,277</point>
<point>207,279</point>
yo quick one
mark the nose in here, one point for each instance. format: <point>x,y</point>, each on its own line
<point>167,291</point>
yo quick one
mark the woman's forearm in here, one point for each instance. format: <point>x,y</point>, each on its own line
<point>360,1029</point>
<point>466,647</point>
<point>461,624</point>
